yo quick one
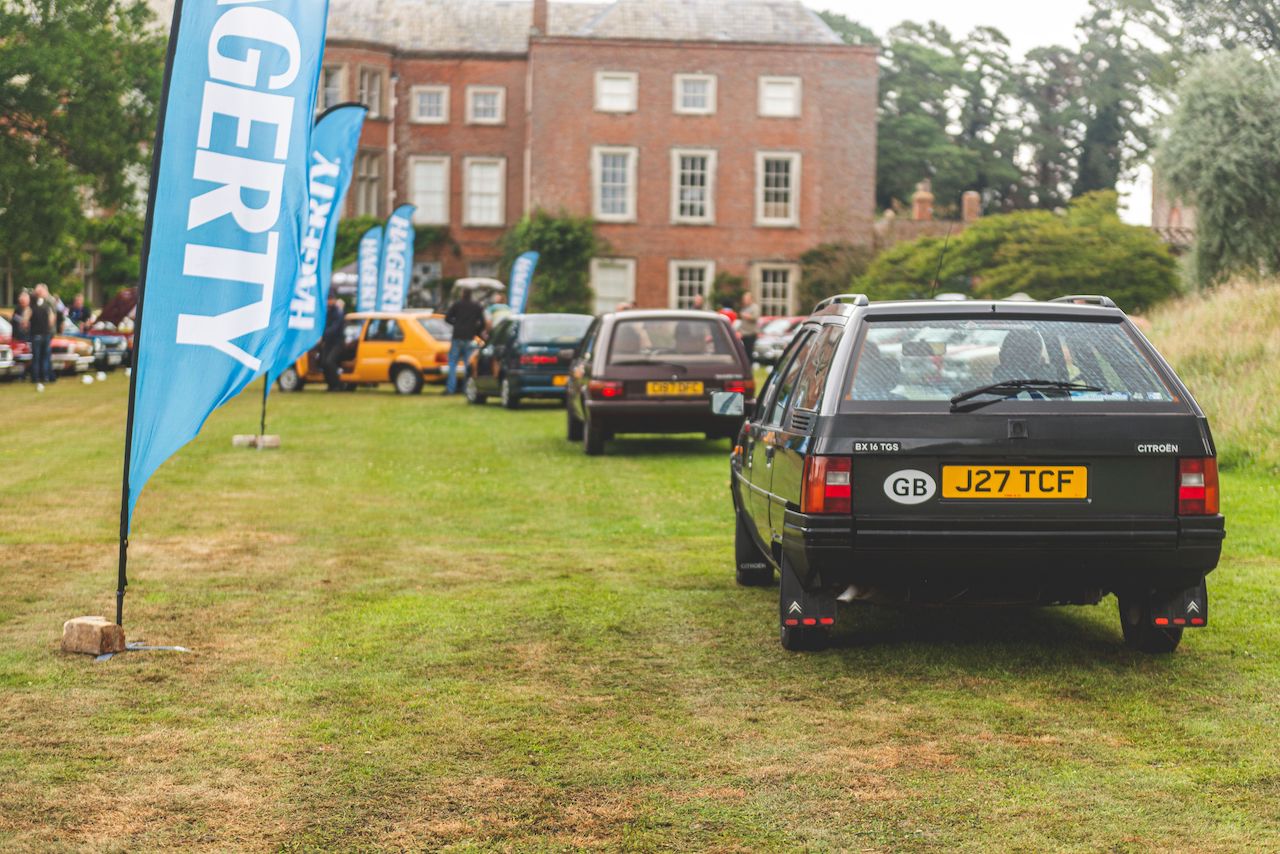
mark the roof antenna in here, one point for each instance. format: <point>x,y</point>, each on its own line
<point>941,257</point>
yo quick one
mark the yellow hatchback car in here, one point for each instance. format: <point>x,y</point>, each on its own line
<point>404,348</point>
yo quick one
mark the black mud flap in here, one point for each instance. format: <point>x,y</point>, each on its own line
<point>1183,608</point>
<point>799,607</point>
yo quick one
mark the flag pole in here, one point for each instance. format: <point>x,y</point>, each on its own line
<point>122,577</point>
<point>262,426</point>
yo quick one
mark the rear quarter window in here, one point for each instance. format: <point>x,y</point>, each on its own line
<point>929,360</point>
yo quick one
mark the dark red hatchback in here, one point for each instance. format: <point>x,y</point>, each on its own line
<point>655,372</point>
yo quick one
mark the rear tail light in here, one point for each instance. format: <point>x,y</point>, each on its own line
<point>743,387</point>
<point>605,389</point>
<point>828,485</point>
<point>537,360</point>
<point>1198,487</point>
<point>442,358</point>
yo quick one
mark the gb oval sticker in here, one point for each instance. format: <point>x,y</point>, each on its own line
<point>910,486</point>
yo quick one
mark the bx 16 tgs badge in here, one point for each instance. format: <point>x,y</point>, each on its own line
<point>1045,454</point>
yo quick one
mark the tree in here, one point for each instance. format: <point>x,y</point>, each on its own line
<point>1087,249</point>
<point>849,31</point>
<point>1223,153</point>
<point>1119,75</point>
<point>1209,25</point>
<point>829,269</point>
<point>1050,93</point>
<point>79,84</point>
<point>566,245</point>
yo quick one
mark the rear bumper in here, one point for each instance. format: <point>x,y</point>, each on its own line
<point>661,416</point>
<point>540,384</point>
<point>1055,555</point>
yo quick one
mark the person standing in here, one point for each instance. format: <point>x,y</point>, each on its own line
<point>749,323</point>
<point>467,319</point>
<point>78,313</point>
<point>43,320</point>
<point>332,342</point>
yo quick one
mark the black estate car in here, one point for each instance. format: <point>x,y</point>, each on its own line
<point>945,453</point>
<point>655,372</point>
<point>526,356</point>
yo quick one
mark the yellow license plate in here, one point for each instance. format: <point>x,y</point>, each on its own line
<point>560,380</point>
<point>673,389</point>
<point>1003,482</point>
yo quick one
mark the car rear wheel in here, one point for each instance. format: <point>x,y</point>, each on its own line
<point>573,431</point>
<point>592,439</point>
<point>510,399</point>
<point>472,391</point>
<point>752,570</point>
<point>407,380</point>
<point>1139,631</point>
<point>290,380</point>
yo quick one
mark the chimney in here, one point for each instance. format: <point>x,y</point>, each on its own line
<point>922,201</point>
<point>540,17</point>
<point>971,206</point>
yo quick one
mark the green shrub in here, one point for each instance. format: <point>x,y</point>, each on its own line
<point>1087,249</point>
<point>566,244</point>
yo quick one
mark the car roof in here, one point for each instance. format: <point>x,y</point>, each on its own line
<point>413,312</point>
<point>665,314</point>
<point>970,308</point>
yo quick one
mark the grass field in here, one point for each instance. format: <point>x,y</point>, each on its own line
<point>423,625</point>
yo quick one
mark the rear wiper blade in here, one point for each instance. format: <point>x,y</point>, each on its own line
<point>651,362</point>
<point>1008,388</point>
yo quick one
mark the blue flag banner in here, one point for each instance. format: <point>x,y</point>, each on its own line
<point>334,141</point>
<point>397,260</point>
<point>521,281</point>
<point>228,211</point>
<point>368,263</point>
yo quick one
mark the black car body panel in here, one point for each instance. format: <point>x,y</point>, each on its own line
<point>1125,534</point>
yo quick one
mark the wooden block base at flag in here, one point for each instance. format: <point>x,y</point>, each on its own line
<point>248,441</point>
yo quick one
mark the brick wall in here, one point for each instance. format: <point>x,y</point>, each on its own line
<point>835,135</point>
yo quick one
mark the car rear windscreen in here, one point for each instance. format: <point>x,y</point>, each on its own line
<point>437,328</point>
<point>933,360</point>
<point>554,328</point>
<point>682,341</point>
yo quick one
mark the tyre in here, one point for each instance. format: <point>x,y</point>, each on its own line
<point>592,439</point>
<point>407,380</point>
<point>751,568</point>
<point>510,399</point>
<point>472,391</point>
<point>290,380</point>
<point>1139,633</point>
<point>574,430</point>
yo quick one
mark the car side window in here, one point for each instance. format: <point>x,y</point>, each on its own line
<point>384,329</point>
<point>588,345</point>
<point>813,376</point>
<point>785,386</point>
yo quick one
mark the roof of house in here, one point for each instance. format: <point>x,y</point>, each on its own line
<point>502,26</point>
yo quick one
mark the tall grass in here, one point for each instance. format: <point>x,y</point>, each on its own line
<point>1225,344</point>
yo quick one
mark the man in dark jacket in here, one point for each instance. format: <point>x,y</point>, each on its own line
<point>332,342</point>
<point>466,316</point>
<point>43,326</point>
